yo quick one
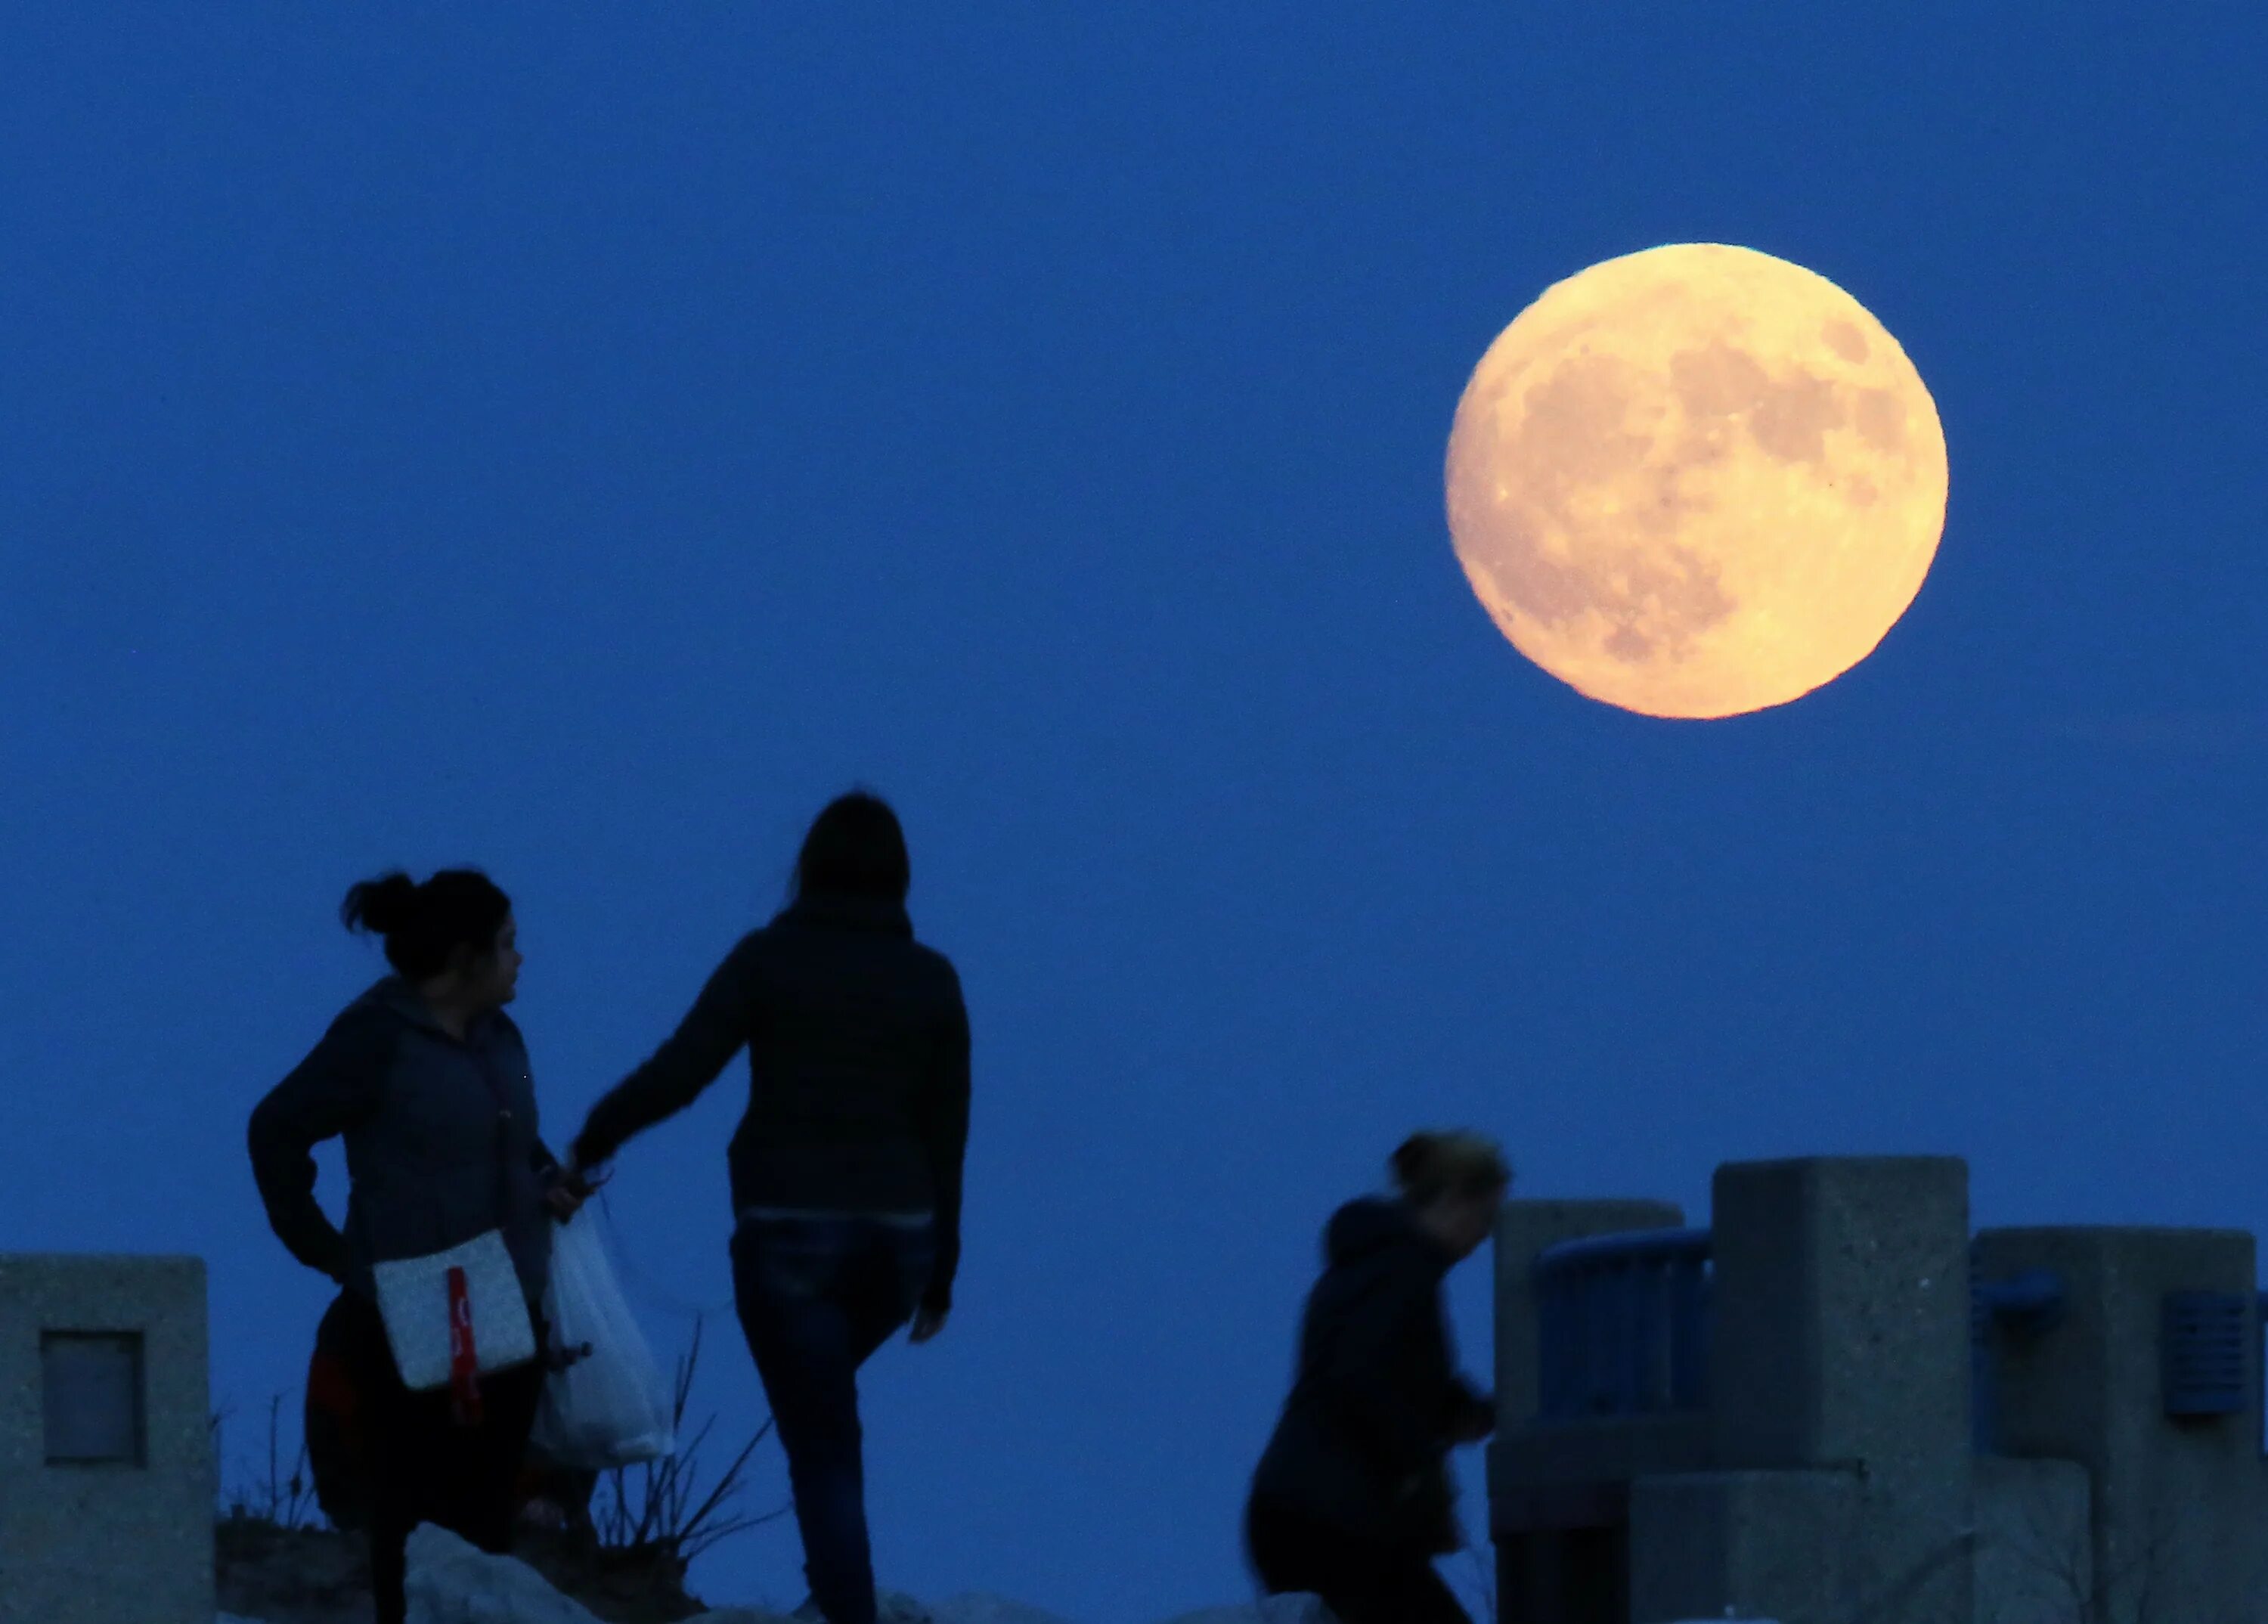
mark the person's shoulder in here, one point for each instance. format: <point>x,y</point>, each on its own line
<point>755,945</point>
<point>372,1018</point>
<point>937,966</point>
<point>366,1032</point>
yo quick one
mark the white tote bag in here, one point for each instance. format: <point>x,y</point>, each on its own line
<point>606,1405</point>
<point>413,1299</point>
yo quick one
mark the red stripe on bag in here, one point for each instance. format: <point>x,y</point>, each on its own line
<point>464,1359</point>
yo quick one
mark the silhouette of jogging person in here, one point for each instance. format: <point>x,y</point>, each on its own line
<point>1352,1498</point>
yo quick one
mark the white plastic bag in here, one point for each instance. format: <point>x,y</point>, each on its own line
<point>607,1407</point>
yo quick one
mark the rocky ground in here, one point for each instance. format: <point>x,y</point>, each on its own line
<point>319,1576</point>
<point>269,1575</point>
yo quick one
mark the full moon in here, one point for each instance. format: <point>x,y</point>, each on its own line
<point>1696,482</point>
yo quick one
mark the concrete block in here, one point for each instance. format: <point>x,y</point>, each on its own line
<point>1606,1448</point>
<point>1841,1342</point>
<point>102,1541</point>
<point>2034,1544</point>
<point>1523,1229</point>
<point>1576,1575</point>
<point>2180,1507</point>
<point>1719,1545</point>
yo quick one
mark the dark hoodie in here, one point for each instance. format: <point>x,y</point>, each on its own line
<point>858,1045</point>
<point>440,1137</point>
<point>1364,1440</point>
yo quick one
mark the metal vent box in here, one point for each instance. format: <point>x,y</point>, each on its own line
<point>2204,1352</point>
<point>92,1397</point>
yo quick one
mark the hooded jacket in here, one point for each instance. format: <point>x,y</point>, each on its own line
<point>1362,1443</point>
<point>441,1142</point>
<point>857,1043</point>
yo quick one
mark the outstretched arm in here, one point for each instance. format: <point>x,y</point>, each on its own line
<point>721,1020</point>
<point>336,1088</point>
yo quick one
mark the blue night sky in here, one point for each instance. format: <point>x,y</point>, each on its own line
<point>582,441</point>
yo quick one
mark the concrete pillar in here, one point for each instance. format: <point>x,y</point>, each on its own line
<point>106,1453</point>
<point>1742,1544</point>
<point>1570,1568</point>
<point>1841,1342</point>
<point>2179,1507</point>
<point>2035,1547</point>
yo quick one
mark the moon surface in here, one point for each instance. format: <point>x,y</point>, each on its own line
<point>1695,481</point>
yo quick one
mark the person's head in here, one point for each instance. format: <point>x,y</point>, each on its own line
<point>855,849</point>
<point>453,936</point>
<point>1455,1183</point>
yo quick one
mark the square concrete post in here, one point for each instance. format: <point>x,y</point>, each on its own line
<point>2035,1542</point>
<point>1574,1573</point>
<point>105,1456</point>
<point>1744,1545</point>
<point>2180,1506</point>
<point>1841,1342</point>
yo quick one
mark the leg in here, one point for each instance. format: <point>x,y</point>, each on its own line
<point>1412,1593</point>
<point>1273,1549</point>
<point>1360,1581</point>
<point>497,1446</point>
<point>398,1457</point>
<point>494,1452</point>
<point>787,1282</point>
<point>1291,1553</point>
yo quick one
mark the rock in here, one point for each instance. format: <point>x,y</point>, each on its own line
<point>452,1582</point>
<point>1297,1609</point>
<point>975,1607</point>
<point>982,1609</point>
<point>289,1576</point>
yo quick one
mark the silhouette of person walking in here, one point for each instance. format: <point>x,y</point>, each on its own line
<point>846,1172</point>
<point>427,1080</point>
<point>846,1168</point>
<point>1353,1499</point>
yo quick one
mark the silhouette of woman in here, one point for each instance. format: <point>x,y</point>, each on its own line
<point>427,1079</point>
<point>846,1168</point>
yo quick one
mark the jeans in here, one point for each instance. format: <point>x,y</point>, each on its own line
<point>426,1468</point>
<point>817,1295</point>
<point>1361,1582</point>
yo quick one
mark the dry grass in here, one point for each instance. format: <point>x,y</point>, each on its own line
<point>277,1557</point>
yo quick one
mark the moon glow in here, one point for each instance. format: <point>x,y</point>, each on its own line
<point>1695,481</point>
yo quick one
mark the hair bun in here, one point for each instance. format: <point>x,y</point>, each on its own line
<point>382,906</point>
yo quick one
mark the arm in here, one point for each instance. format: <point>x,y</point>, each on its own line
<point>722,1019</point>
<point>337,1087</point>
<point>539,1160</point>
<point>945,1132</point>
